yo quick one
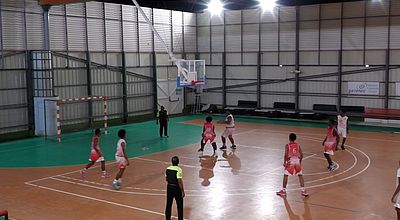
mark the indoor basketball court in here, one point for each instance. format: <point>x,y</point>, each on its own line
<point>263,70</point>
<point>215,187</point>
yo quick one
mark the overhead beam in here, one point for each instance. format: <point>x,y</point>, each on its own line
<point>59,2</point>
<point>201,5</point>
<point>302,78</point>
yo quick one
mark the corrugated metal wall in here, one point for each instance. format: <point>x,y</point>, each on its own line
<point>13,92</point>
<point>111,33</point>
<point>233,46</point>
<point>362,30</point>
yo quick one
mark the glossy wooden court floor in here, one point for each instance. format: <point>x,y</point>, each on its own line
<point>238,185</point>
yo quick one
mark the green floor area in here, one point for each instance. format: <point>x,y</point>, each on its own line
<point>142,139</point>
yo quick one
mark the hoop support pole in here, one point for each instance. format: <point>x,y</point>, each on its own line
<point>105,115</point>
<point>58,118</point>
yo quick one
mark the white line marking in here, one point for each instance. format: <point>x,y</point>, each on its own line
<point>128,187</point>
<point>191,166</point>
<point>63,174</point>
<point>254,191</point>
<point>245,132</point>
<point>312,155</point>
<point>282,132</point>
<point>109,190</point>
<point>98,200</point>
<point>281,167</point>
<point>190,158</point>
<point>346,178</point>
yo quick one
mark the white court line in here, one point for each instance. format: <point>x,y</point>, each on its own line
<point>245,132</point>
<point>118,191</point>
<point>281,167</point>
<point>258,191</point>
<point>107,189</point>
<point>191,166</point>
<point>312,155</point>
<point>266,148</point>
<point>190,158</point>
<point>337,174</point>
<point>98,200</point>
<point>346,178</point>
<point>62,174</point>
<point>128,187</point>
<point>255,191</point>
<point>96,166</point>
<point>147,189</point>
<point>283,132</point>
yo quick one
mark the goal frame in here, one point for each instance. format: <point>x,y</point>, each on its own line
<point>76,100</point>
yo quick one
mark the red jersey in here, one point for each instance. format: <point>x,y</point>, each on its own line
<point>95,143</point>
<point>329,135</point>
<point>94,153</point>
<point>208,129</point>
<point>293,150</point>
<point>293,165</point>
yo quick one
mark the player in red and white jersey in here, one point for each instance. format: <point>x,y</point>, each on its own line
<point>208,135</point>
<point>229,129</point>
<point>343,126</point>
<point>330,144</point>
<point>292,164</point>
<point>96,155</point>
<point>121,158</point>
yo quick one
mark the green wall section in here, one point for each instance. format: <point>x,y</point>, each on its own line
<point>142,138</point>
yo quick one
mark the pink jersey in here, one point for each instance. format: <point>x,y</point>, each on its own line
<point>329,135</point>
<point>293,150</point>
<point>293,165</point>
<point>120,151</point>
<point>208,129</point>
<point>95,143</point>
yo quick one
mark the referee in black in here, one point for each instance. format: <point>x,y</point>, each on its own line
<point>175,190</point>
<point>162,118</point>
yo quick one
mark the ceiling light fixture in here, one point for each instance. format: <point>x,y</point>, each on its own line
<point>215,7</point>
<point>267,5</point>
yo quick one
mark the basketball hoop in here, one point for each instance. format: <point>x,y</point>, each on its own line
<point>191,73</point>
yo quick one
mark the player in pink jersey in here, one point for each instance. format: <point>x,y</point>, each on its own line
<point>292,164</point>
<point>330,144</point>
<point>122,159</point>
<point>96,155</point>
<point>208,135</point>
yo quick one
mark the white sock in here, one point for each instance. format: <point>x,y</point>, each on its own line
<point>119,180</point>
<point>284,189</point>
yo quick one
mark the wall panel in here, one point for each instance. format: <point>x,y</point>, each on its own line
<point>233,38</point>
<point>353,34</point>
<point>204,39</point>
<point>250,37</point>
<point>217,38</point>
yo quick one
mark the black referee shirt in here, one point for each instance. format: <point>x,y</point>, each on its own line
<point>162,115</point>
<point>173,173</point>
